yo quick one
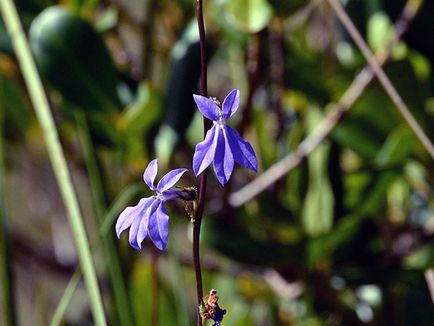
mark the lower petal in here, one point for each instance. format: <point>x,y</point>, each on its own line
<point>159,226</point>
<point>223,159</point>
<point>142,232</point>
<point>242,150</point>
<point>133,233</point>
<point>204,152</point>
<point>126,218</point>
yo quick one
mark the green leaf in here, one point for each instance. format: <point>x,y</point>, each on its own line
<point>358,136</point>
<point>250,16</point>
<point>379,31</point>
<point>165,143</point>
<point>138,121</point>
<point>74,59</point>
<point>183,80</point>
<point>397,147</point>
<point>15,110</point>
<point>319,201</point>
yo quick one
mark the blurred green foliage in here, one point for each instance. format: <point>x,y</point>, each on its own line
<point>342,239</point>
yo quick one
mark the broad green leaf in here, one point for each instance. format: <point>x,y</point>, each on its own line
<point>398,196</point>
<point>397,147</point>
<point>74,59</point>
<point>165,143</point>
<point>266,139</point>
<point>250,16</point>
<point>379,31</point>
<point>319,201</point>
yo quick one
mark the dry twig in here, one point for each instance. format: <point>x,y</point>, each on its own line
<point>356,89</point>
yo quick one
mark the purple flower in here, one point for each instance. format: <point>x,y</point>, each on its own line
<point>149,216</point>
<point>222,144</point>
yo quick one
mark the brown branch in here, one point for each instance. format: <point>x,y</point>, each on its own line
<point>356,89</point>
<point>381,76</point>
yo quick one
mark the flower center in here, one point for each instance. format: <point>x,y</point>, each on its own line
<point>215,101</point>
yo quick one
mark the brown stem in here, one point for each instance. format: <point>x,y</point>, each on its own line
<point>203,178</point>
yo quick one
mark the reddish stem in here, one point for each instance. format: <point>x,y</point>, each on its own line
<point>203,178</point>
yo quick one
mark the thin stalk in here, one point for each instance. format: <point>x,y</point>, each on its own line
<point>104,228</point>
<point>203,178</point>
<point>97,189</point>
<point>66,298</point>
<point>381,75</point>
<point>7,299</point>
<point>311,142</point>
<point>55,152</point>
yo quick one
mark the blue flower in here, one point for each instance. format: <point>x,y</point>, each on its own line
<point>149,216</point>
<point>222,145</point>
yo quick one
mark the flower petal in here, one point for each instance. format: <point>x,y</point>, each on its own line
<point>133,233</point>
<point>159,225</point>
<point>204,152</point>
<point>207,107</point>
<point>143,226</point>
<point>242,150</point>
<point>150,173</point>
<point>231,103</point>
<point>170,179</point>
<point>128,215</point>
<point>223,159</point>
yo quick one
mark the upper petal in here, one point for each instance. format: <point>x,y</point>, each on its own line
<point>231,103</point>
<point>223,159</point>
<point>242,150</point>
<point>159,226</point>
<point>207,107</point>
<point>170,179</point>
<point>204,152</point>
<point>128,215</point>
<point>150,174</point>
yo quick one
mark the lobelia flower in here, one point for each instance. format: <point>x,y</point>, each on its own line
<point>149,216</point>
<point>222,145</point>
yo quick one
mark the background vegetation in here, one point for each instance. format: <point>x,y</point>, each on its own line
<point>343,238</point>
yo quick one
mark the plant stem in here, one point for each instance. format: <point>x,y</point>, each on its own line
<point>99,202</point>
<point>203,178</point>
<point>55,152</point>
<point>104,228</point>
<point>7,299</point>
